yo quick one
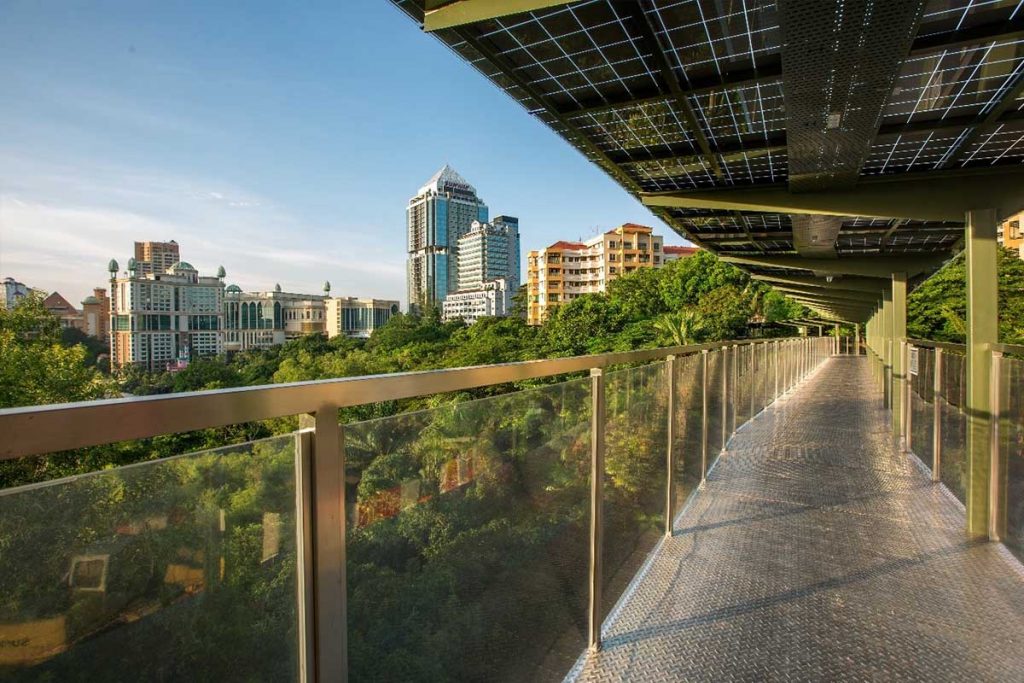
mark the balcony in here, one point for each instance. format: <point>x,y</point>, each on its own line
<point>750,494</point>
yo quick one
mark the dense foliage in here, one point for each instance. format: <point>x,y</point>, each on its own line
<point>937,310</point>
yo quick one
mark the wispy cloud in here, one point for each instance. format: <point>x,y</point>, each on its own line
<point>59,225</point>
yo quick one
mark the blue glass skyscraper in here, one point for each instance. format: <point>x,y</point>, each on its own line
<point>441,212</point>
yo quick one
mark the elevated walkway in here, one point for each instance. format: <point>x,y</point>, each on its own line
<point>818,551</point>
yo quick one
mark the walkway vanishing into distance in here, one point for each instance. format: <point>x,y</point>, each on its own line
<point>818,551</point>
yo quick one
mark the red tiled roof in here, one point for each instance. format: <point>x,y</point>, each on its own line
<point>670,249</point>
<point>561,244</point>
<point>631,226</point>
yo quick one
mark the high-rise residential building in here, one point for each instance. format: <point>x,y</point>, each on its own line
<point>259,320</point>
<point>156,257</point>
<point>441,212</point>
<point>567,270</point>
<point>357,318</point>
<point>161,320</point>
<point>488,267</point>
<point>96,314</point>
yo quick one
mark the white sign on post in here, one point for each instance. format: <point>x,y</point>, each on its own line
<point>913,360</point>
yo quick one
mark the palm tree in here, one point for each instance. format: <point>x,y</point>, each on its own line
<point>681,328</point>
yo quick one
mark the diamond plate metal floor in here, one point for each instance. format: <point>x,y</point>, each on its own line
<point>818,552</point>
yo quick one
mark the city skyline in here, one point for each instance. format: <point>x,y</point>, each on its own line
<point>156,132</point>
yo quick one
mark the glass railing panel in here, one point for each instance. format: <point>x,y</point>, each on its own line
<point>953,469</point>
<point>635,473</point>
<point>1011,450</point>
<point>922,437</point>
<point>687,448</point>
<point>716,368</point>
<point>743,384</point>
<point>468,538</point>
<point>176,569</point>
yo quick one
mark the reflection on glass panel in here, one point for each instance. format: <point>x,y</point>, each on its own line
<point>922,402</point>
<point>954,424</point>
<point>688,434</point>
<point>175,569</point>
<point>635,475</point>
<point>1011,448</point>
<point>468,538</point>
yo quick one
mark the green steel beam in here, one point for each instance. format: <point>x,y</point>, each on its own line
<point>899,333</point>
<point>439,15</point>
<point>865,266</point>
<point>826,294</point>
<point>982,331</point>
<point>934,196</point>
<point>860,284</point>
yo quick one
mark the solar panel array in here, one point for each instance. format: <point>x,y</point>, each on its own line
<point>685,94</point>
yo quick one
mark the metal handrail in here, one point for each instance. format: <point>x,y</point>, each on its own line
<point>1013,349</point>
<point>37,430</point>
<point>928,344</point>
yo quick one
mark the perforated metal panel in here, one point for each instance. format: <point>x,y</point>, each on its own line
<point>839,61</point>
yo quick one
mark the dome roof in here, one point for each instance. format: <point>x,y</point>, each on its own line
<point>112,267</point>
<point>221,272</point>
<point>183,265</point>
<point>277,287</point>
<point>90,300</point>
<point>327,286</point>
<point>233,289</point>
<point>131,264</point>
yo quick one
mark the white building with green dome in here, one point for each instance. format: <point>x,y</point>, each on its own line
<point>259,320</point>
<point>161,320</point>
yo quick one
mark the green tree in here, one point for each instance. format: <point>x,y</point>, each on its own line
<point>680,328</point>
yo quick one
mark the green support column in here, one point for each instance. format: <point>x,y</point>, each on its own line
<point>899,332</point>
<point>982,330</point>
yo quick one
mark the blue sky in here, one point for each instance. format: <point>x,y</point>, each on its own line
<point>281,141</point>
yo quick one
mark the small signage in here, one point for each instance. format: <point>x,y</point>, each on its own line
<point>913,360</point>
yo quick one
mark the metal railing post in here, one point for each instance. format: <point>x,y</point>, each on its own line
<point>902,385</point>
<point>998,481</point>
<point>328,523</point>
<point>937,398</point>
<point>597,422</point>
<point>670,460</point>
<point>704,417</point>
<point>305,577</point>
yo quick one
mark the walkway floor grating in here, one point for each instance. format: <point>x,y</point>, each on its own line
<point>819,552</point>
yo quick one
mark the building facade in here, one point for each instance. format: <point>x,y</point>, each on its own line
<point>96,314</point>
<point>491,299</point>
<point>567,270</point>
<point>69,316</point>
<point>357,318</point>
<point>441,212</point>
<point>14,292</point>
<point>488,268</point>
<point>162,320</point>
<point>259,320</point>
<point>156,257</point>
<point>672,253</point>
<point>1009,234</point>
